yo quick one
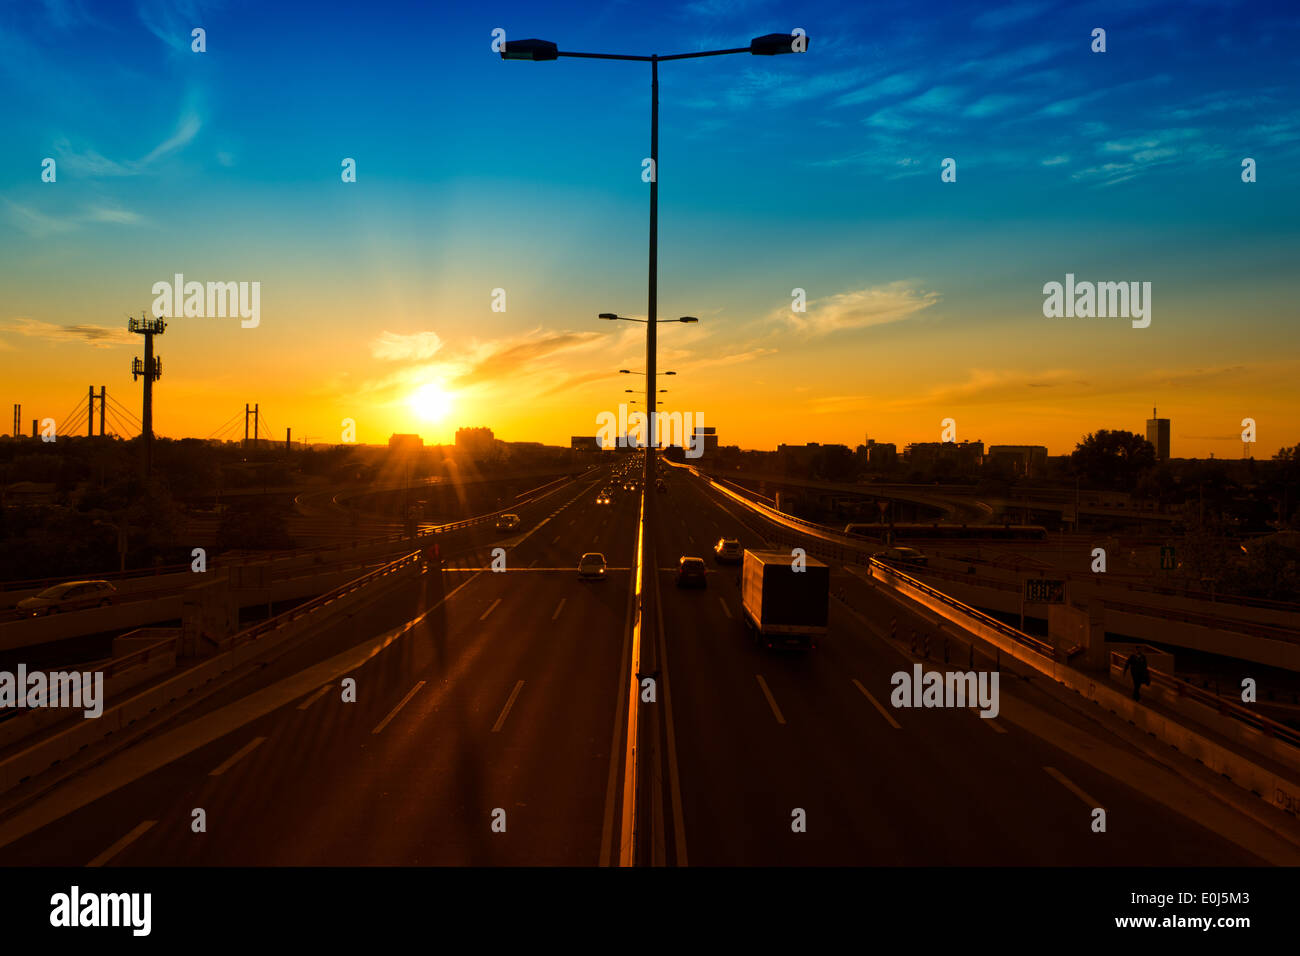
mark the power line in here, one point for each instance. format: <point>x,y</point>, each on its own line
<point>230,423</point>
<point>125,412</point>
<point>75,410</point>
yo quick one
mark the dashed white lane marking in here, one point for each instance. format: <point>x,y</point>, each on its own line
<point>393,713</point>
<point>725,610</point>
<point>771,701</point>
<point>122,844</point>
<point>243,751</point>
<point>558,608</point>
<point>505,711</point>
<point>314,697</point>
<point>1064,781</point>
<point>491,607</point>
<point>884,713</point>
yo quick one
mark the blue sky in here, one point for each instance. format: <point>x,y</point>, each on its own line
<point>818,171</point>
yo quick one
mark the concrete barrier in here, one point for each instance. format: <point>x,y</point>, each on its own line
<point>65,743</point>
<point>1281,791</point>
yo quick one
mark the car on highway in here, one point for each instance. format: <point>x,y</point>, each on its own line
<point>728,551</point>
<point>507,522</point>
<point>659,485</point>
<point>603,498</point>
<point>909,557</point>
<point>691,572</point>
<point>592,566</point>
<point>68,596</point>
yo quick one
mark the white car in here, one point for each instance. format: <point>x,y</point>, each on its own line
<point>727,550</point>
<point>68,596</point>
<point>591,566</point>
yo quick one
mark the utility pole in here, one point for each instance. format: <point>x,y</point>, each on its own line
<point>151,370</point>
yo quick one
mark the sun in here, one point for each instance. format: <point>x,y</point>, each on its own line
<point>430,402</point>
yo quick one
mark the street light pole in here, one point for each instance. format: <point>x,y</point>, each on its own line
<point>652,323</point>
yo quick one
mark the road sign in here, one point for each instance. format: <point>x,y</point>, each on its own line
<point>1167,562</point>
<point>1044,591</point>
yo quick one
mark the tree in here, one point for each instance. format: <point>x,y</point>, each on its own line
<point>1112,459</point>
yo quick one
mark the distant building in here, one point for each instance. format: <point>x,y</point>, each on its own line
<point>405,443</point>
<point>584,443</point>
<point>1158,435</point>
<point>966,455</point>
<point>879,454</point>
<point>1024,461</point>
<point>475,442</point>
<point>705,442</point>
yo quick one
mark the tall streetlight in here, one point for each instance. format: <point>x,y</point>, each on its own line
<point>533,49</point>
<point>770,44</point>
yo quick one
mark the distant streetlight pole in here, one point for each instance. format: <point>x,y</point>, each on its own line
<point>769,45</point>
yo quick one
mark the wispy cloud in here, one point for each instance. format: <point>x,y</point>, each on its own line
<point>96,336</point>
<point>860,309</point>
<point>39,225</point>
<point>88,162</point>
<point>393,346</point>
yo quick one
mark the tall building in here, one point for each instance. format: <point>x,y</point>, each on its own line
<point>1158,435</point>
<point>476,442</point>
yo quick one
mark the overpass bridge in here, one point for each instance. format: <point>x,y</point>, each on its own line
<point>478,691</point>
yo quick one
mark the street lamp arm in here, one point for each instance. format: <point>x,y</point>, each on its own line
<point>606,56</point>
<point>692,56</point>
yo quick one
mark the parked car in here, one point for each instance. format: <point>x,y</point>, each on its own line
<point>691,572</point>
<point>591,566</point>
<point>728,551</point>
<point>68,596</point>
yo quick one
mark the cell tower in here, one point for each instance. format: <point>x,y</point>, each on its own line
<point>151,369</point>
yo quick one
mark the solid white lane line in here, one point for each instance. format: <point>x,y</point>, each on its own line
<point>491,607</point>
<point>725,610</point>
<point>771,701</point>
<point>884,713</point>
<point>505,711</point>
<point>558,608</point>
<point>122,844</point>
<point>244,751</point>
<point>393,713</point>
<point>314,697</point>
<point>1064,781</point>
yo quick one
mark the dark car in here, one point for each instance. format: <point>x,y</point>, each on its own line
<point>69,596</point>
<point>691,572</point>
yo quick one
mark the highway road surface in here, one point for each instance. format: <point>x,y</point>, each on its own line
<point>488,725</point>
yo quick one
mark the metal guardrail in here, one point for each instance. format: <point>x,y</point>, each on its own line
<point>1265,725</point>
<point>116,665</point>
<point>329,597</point>
<point>1020,637</point>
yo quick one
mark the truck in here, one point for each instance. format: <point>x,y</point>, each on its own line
<point>785,603</point>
